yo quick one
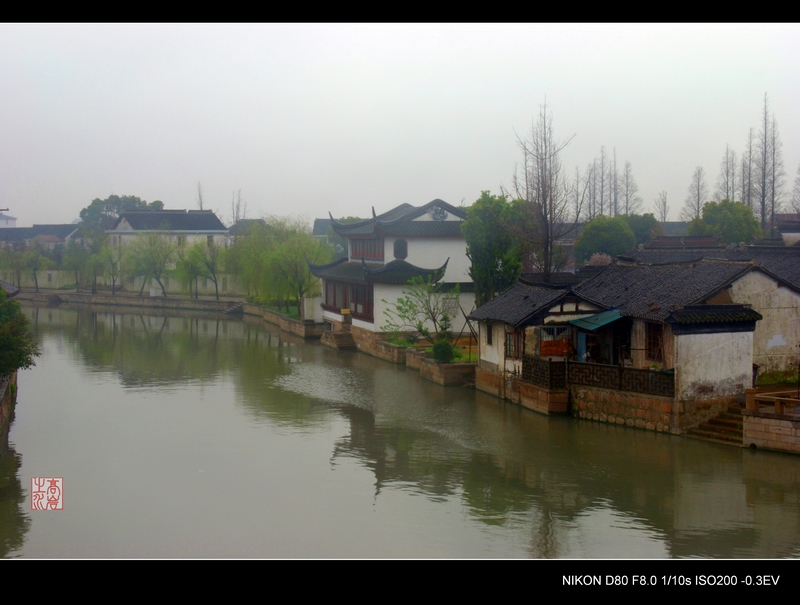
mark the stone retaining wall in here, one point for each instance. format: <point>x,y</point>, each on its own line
<point>769,431</point>
<point>630,409</point>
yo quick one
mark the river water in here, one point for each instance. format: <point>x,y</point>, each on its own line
<point>199,436</point>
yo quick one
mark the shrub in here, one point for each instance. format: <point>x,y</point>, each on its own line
<point>443,351</point>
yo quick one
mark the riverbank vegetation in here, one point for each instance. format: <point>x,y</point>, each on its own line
<point>18,348</point>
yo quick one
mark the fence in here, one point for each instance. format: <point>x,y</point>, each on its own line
<point>559,374</point>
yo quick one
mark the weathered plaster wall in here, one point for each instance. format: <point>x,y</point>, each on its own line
<point>778,333</point>
<point>492,353</point>
<point>710,366</point>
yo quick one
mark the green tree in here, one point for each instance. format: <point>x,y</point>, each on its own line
<point>187,268</point>
<point>612,236</point>
<point>494,254</point>
<point>75,257</point>
<point>18,347</point>
<point>424,309</point>
<point>35,260</point>
<point>101,215</point>
<point>732,221</point>
<point>209,258</point>
<point>151,256</point>
<point>112,260</point>
<point>644,226</point>
<point>294,247</point>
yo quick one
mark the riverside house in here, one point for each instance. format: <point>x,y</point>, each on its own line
<point>657,347</point>
<point>383,254</point>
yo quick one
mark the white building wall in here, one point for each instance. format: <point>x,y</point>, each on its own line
<point>391,293</point>
<point>776,339</point>
<point>713,365</point>
<point>430,253</point>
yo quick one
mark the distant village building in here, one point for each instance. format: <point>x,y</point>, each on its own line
<point>48,236</point>
<point>183,227</point>
<point>7,222</point>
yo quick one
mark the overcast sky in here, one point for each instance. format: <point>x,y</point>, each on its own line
<point>307,119</point>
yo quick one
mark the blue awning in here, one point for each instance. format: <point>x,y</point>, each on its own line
<point>596,321</point>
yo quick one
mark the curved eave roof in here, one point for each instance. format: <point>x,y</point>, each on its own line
<point>400,221</point>
<point>396,272</point>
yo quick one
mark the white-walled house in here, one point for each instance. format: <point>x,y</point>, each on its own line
<point>183,227</point>
<point>384,254</point>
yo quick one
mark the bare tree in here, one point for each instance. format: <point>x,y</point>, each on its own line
<point>199,195</point>
<point>602,183</point>
<point>613,186</point>
<point>662,208</point>
<point>698,192</point>
<point>726,181</point>
<point>763,159</point>
<point>796,193</point>
<point>631,203</point>
<point>777,175</point>
<point>746,175</point>
<point>238,207</point>
<point>590,184</point>
<point>549,211</point>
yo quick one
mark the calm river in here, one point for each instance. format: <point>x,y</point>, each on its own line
<point>198,436</point>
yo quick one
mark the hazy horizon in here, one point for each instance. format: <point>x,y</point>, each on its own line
<point>310,118</point>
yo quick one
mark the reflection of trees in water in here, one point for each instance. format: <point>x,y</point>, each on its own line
<point>548,477</point>
<point>14,522</point>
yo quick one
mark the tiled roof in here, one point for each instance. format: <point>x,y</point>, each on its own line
<point>654,291</point>
<point>782,262</point>
<point>241,226</point>
<point>710,314</point>
<point>172,220</point>
<point>400,222</point>
<point>395,272</point>
<point>10,289</point>
<point>19,234</point>
<point>518,303</point>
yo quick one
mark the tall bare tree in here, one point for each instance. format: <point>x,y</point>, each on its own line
<point>199,195</point>
<point>796,193</point>
<point>726,181</point>
<point>602,181</point>
<point>662,207</point>
<point>613,186</point>
<point>777,175</point>
<point>698,194</point>
<point>238,207</point>
<point>763,168</point>
<point>746,174</point>
<point>631,203</point>
<point>549,209</point>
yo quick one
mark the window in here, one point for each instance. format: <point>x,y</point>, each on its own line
<point>489,330</point>
<point>361,306</point>
<point>654,341</point>
<point>210,240</point>
<point>400,249</point>
<point>366,248</point>
<point>181,240</point>
<point>514,344</point>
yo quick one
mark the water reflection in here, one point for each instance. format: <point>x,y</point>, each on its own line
<point>354,457</point>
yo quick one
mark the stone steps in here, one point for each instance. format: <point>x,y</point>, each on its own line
<point>727,428</point>
<point>338,340</point>
<point>234,309</point>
